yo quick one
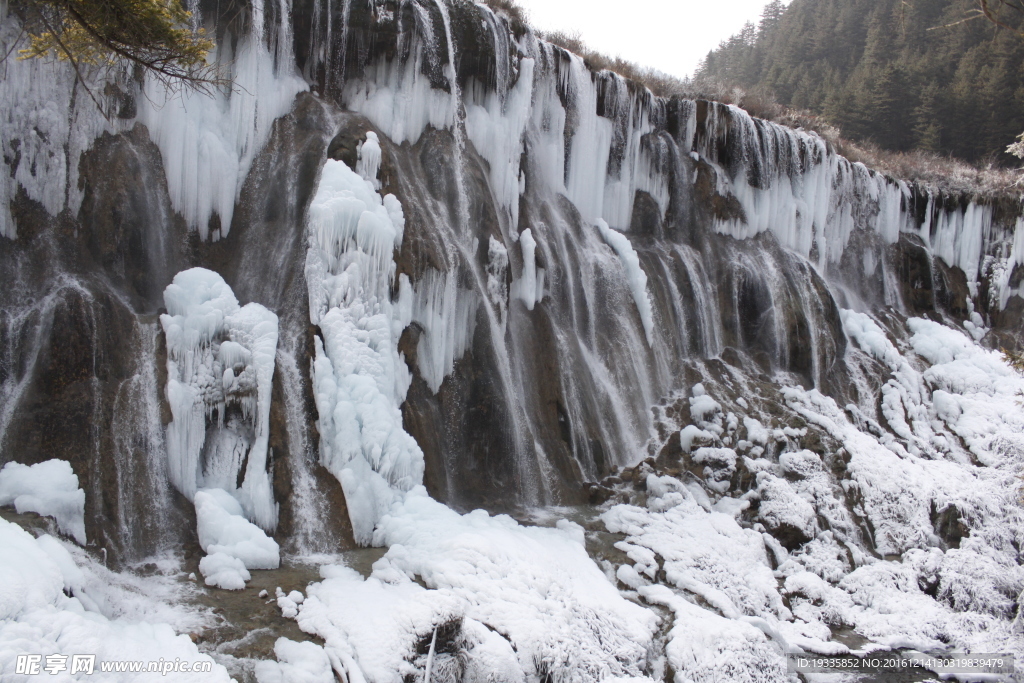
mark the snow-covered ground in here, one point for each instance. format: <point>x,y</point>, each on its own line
<point>57,602</point>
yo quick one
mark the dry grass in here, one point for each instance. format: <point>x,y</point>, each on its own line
<point>933,171</point>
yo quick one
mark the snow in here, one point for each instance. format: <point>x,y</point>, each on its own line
<point>974,584</point>
<point>224,571</point>
<point>704,647</point>
<point>296,663</point>
<point>530,599</point>
<point>635,275</point>
<point>37,617</point>
<point>705,553</point>
<point>289,604</point>
<point>690,434</point>
<point>48,488</point>
<point>863,523</point>
<point>232,542</point>
<point>721,464</point>
<point>702,406</point>
<point>219,356</point>
<point>781,506</point>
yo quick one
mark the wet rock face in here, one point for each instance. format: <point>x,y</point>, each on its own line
<point>126,220</point>
<point>264,254</point>
<point>80,405</point>
<point>336,529</point>
<point>74,302</point>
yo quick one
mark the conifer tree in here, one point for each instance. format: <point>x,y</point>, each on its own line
<point>154,35</point>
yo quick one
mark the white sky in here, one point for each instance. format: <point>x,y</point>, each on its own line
<point>669,35</point>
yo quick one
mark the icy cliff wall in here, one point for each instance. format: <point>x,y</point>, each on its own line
<point>570,244</point>
<point>601,236</point>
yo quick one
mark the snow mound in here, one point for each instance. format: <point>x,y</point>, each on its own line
<point>296,663</point>
<point>234,543</point>
<point>48,488</point>
<point>224,571</point>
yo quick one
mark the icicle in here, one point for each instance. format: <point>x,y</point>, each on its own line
<point>368,165</point>
<point>635,275</point>
<point>430,657</point>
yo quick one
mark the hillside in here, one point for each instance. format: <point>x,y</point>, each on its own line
<point>919,75</point>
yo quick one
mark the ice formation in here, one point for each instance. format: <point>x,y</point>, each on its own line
<point>529,287</point>
<point>209,141</point>
<point>48,488</point>
<point>46,123</point>
<point>359,380</point>
<point>913,543</point>
<point>446,315</point>
<point>220,369</point>
<point>560,614</point>
<point>52,602</point>
<point>634,274</point>
<point>496,126</point>
<point>368,165</point>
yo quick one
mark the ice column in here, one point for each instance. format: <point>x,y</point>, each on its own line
<point>530,287</point>
<point>359,379</point>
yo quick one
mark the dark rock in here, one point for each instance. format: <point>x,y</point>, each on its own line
<point>949,526</point>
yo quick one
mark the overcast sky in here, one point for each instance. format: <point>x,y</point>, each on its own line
<point>670,35</point>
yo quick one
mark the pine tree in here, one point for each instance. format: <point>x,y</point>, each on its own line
<point>152,34</point>
<point>770,18</point>
<point>927,120</point>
